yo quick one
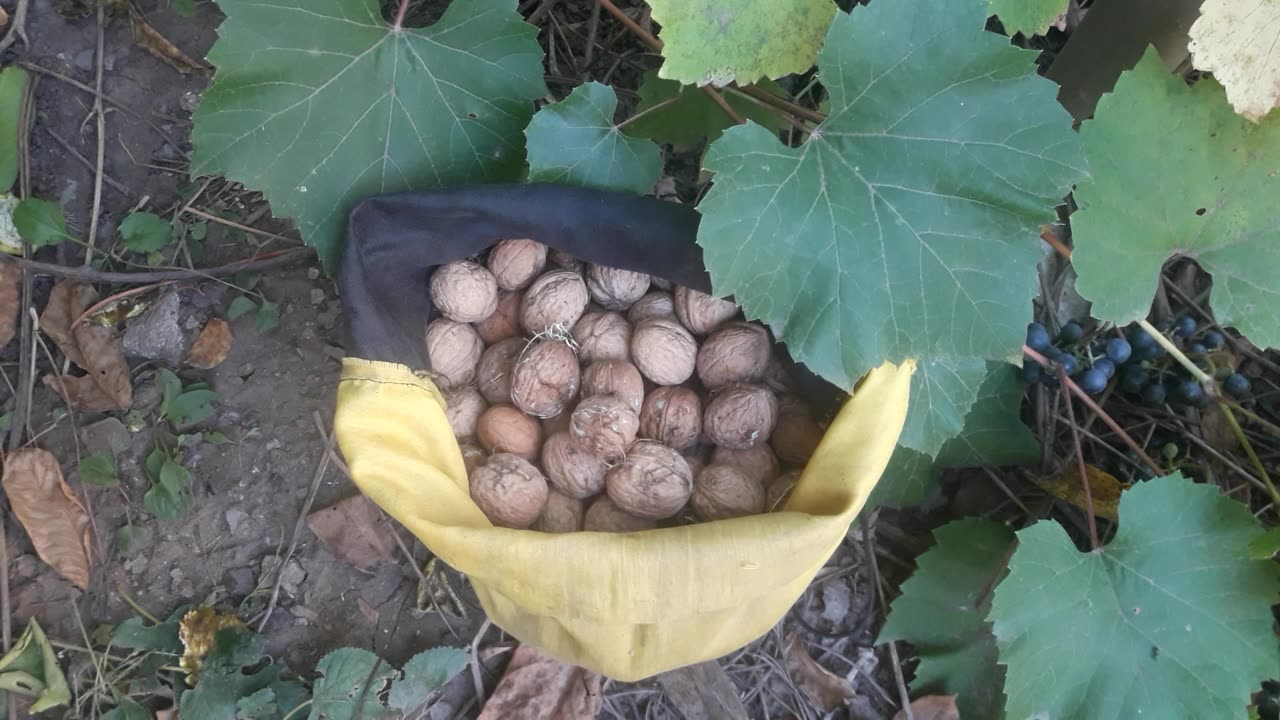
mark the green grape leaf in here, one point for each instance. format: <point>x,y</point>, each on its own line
<point>98,469</point>
<point>318,103</point>
<point>31,668</point>
<point>260,705</point>
<point>942,611</point>
<point>574,142</point>
<point>240,306</point>
<point>145,232</point>
<point>683,115</point>
<point>191,407</point>
<point>1206,190</point>
<point>906,224</point>
<point>1029,17</point>
<point>267,317</point>
<point>13,84</point>
<point>349,683</point>
<point>942,391</point>
<point>1171,619</point>
<point>993,435</point>
<point>424,674</point>
<point>1266,545</point>
<point>170,495</point>
<point>40,222</point>
<point>719,42</point>
<point>133,634</point>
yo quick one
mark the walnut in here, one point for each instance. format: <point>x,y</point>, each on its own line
<point>603,335</point>
<point>614,377</point>
<point>656,305</point>
<point>464,291</point>
<point>509,490</point>
<point>605,516</point>
<point>723,491</point>
<point>504,322</point>
<point>672,416</point>
<point>604,425</point>
<point>653,481</point>
<point>453,349</point>
<point>616,289</point>
<point>545,378</point>
<point>735,353</point>
<point>463,408</point>
<point>740,417</point>
<point>561,514</point>
<point>572,469</point>
<point>555,300</point>
<point>497,368</point>
<point>796,435</point>
<point>758,463</point>
<point>515,263</point>
<point>664,352</point>
<point>504,429</point>
<point>700,312</point>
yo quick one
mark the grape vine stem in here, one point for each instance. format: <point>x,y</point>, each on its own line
<point>1084,471</point>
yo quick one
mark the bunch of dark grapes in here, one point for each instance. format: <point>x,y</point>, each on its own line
<point>1135,361</point>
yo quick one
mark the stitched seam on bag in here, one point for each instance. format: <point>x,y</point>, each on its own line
<point>435,395</point>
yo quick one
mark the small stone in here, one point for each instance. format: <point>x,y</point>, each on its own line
<point>235,518</point>
<point>84,59</point>
<point>107,437</point>
<point>292,577</point>
<point>245,370</point>
<point>313,273</point>
<point>305,613</point>
<point>317,296</point>
<point>189,101</point>
<point>177,576</point>
<point>136,564</point>
<point>273,443</point>
<point>335,352</point>
<point>239,581</point>
<point>157,333</point>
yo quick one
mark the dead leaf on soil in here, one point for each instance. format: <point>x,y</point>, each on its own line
<point>932,707</point>
<point>211,346</point>
<point>824,689</point>
<point>50,511</point>
<point>1235,39</point>
<point>536,685</point>
<point>355,530</point>
<point>150,39</point>
<point>1104,489</point>
<point>370,612</point>
<point>4,17</point>
<point>1216,430</point>
<point>10,300</point>
<point>90,346</point>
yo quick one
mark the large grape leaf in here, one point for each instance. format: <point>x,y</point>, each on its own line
<point>942,391</point>
<point>906,224</point>
<point>724,41</point>
<point>943,613</point>
<point>575,142</point>
<point>318,103</point>
<point>1170,620</point>
<point>993,435</point>
<point>1236,40</point>
<point>1207,189</point>
<point>1029,17</point>
<point>669,112</point>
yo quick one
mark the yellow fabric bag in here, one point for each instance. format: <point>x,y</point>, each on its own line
<point>626,605</point>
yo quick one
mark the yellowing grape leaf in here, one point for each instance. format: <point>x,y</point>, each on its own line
<point>1104,489</point>
<point>1205,190</point>
<point>1236,40</point>
<point>318,103</point>
<point>1029,17</point>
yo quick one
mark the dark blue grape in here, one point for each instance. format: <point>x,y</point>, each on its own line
<point>1037,337</point>
<point>1141,339</point>
<point>1053,353</point>
<point>1107,367</point>
<point>1070,333</point>
<point>1236,385</point>
<point>1191,393</point>
<point>1118,350</point>
<point>1133,378</point>
<point>1213,339</point>
<point>1185,326</point>
<point>1197,349</point>
<point>1151,353</point>
<point>1092,381</point>
<point>1068,363</point>
<point>1031,372</point>
<point>1154,394</point>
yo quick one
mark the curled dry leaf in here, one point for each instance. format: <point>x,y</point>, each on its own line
<point>932,707</point>
<point>824,689</point>
<point>211,346</point>
<point>150,39</point>
<point>355,530</point>
<point>50,511</point>
<point>92,347</point>
<point>536,685</point>
<point>1104,489</point>
<point>10,300</point>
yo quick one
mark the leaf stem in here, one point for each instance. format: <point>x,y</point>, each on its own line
<point>718,99</point>
<point>673,99</point>
<point>1253,456</point>
<point>769,98</point>
<point>1084,471</point>
<point>404,7</point>
<point>1200,375</point>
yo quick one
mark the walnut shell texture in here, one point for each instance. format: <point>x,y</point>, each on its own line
<point>653,481</point>
<point>557,299</point>
<point>515,263</point>
<point>463,408</point>
<point>546,378</point>
<point>758,463</point>
<point>616,289</point>
<point>509,490</point>
<point>656,305</point>
<point>723,491</point>
<point>504,429</point>
<point>496,369</point>
<point>700,312</point>
<point>473,456</point>
<point>464,291</point>
<point>672,416</point>
<point>735,353</point>
<point>504,321</point>
<point>453,349</point>
<point>561,514</point>
<point>572,469</point>
<point>563,260</point>
<point>604,515</point>
<point>603,335</point>
<point>740,417</point>
<point>779,491</point>
<point>604,425</point>
<point>618,378</point>
<point>663,351</point>
<point>796,436</point>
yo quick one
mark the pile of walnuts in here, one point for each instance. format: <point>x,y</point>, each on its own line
<point>591,398</point>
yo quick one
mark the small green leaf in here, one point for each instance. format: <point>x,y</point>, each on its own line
<point>99,469</point>
<point>215,437</point>
<point>424,674</point>
<point>6,421</point>
<point>1029,17</point>
<point>40,222</point>
<point>155,462</point>
<point>185,8</point>
<point>31,668</point>
<point>1170,620</point>
<point>126,538</point>
<point>199,230</point>
<point>134,634</point>
<point>1266,545</point>
<point>145,232</point>
<point>350,682</point>
<point>240,306</point>
<point>687,115</point>
<point>191,407</point>
<point>574,142</point>
<point>170,385</point>
<point>268,316</point>
<point>13,84</point>
<point>246,280</point>
<point>170,497</point>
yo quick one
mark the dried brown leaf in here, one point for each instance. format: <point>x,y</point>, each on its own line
<point>355,530</point>
<point>10,300</point>
<point>824,689</point>
<point>4,20</point>
<point>81,393</point>
<point>211,346</point>
<point>67,301</point>
<point>1216,430</point>
<point>92,347</point>
<point>536,685</point>
<point>148,38</point>
<point>932,707</point>
<point>1104,489</point>
<point>53,516</point>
